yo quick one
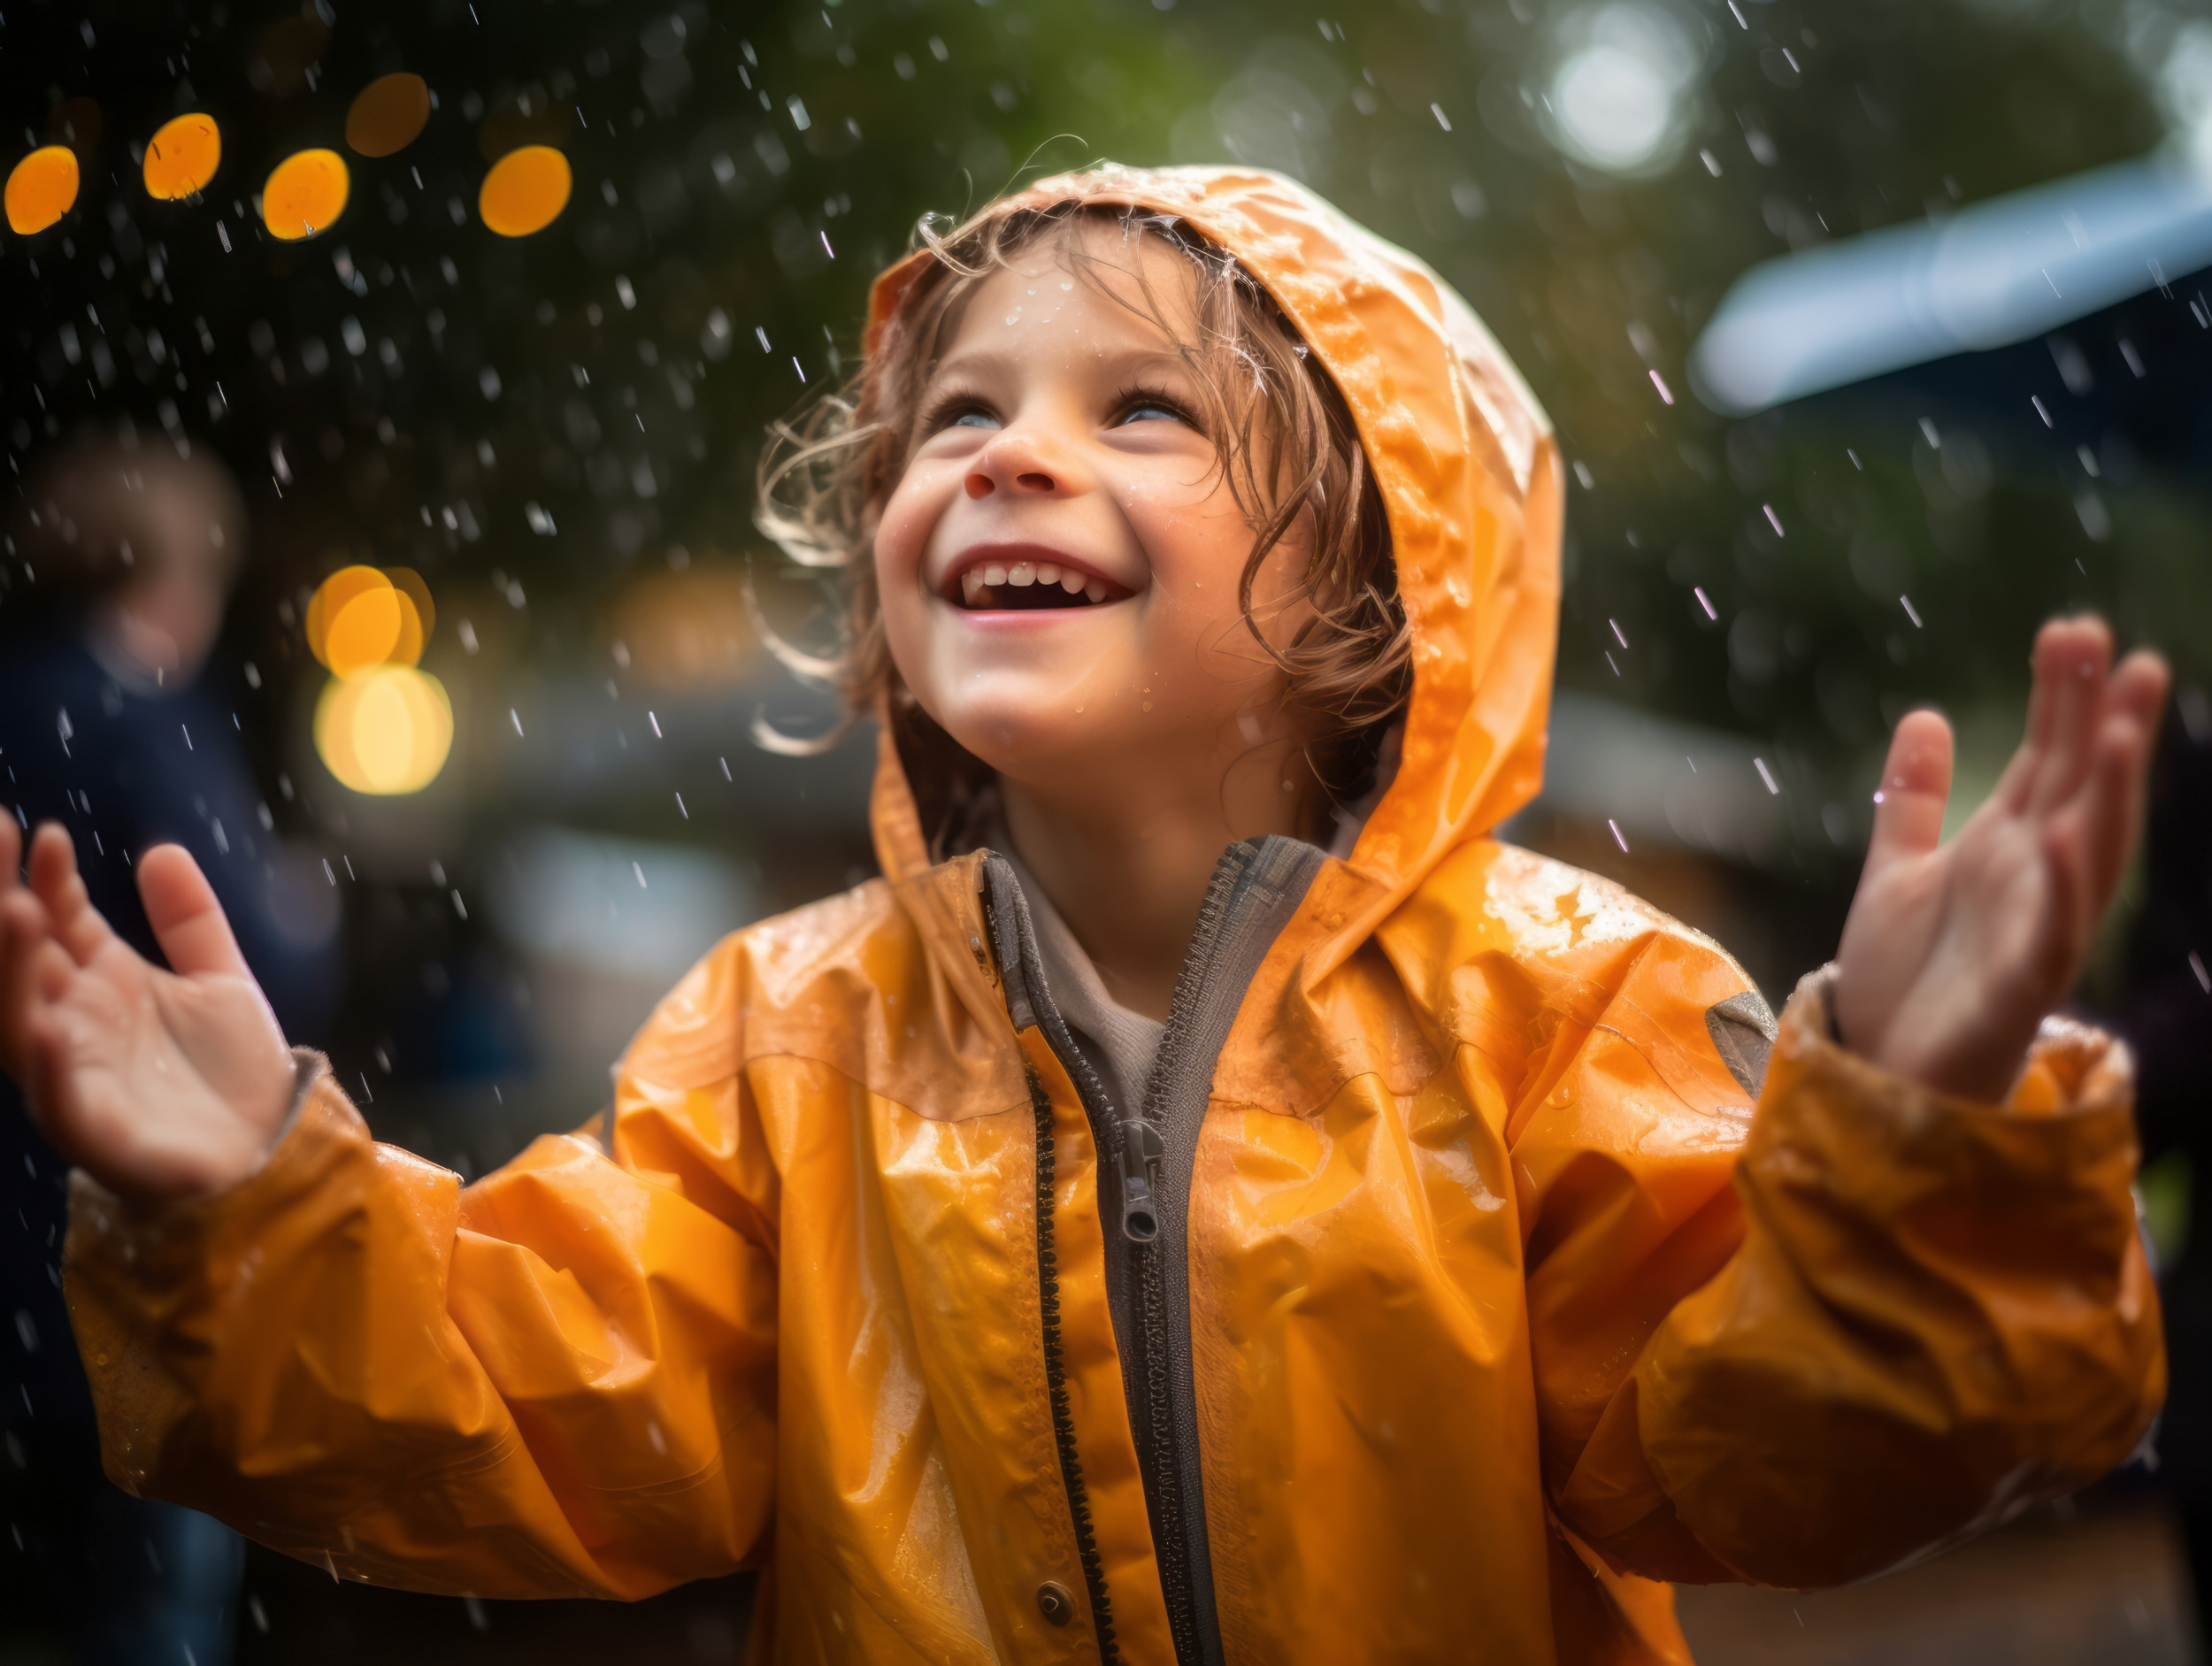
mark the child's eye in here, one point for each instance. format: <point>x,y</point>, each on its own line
<point>1139,406</point>
<point>957,408</point>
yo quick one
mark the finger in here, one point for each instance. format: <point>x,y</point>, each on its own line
<point>47,1079</point>
<point>2072,919</point>
<point>54,877</point>
<point>1916,786</point>
<point>2139,688</point>
<point>2112,807</point>
<point>2019,776</point>
<point>22,933</point>
<point>11,848</point>
<point>2075,655</point>
<point>44,978</point>
<point>187,921</point>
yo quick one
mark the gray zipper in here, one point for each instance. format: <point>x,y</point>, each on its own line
<point>1146,1160</point>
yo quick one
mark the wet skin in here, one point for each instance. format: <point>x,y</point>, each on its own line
<point>1133,722</point>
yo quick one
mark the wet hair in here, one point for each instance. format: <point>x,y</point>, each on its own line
<point>1282,437</point>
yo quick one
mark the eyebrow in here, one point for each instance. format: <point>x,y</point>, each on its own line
<point>984,361</point>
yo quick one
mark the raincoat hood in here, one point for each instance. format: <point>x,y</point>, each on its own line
<point>1470,478</point>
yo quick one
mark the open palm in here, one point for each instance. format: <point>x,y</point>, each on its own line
<point>1953,953</point>
<point>160,1084</point>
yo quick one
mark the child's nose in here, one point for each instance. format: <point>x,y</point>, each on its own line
<point>982,485</point>
<point>1020,460</point>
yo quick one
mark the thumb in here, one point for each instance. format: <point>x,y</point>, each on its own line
<point>1915,786</point>
<point>187,921</point>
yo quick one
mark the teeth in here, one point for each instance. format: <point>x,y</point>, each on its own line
<point>970,586</point>
<point>994,573</point>
<point>1095,590</point>
<point>1070,579</point>
<point>1047,572</point>
<point>1022,574</point>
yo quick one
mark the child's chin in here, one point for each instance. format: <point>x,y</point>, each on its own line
<point>1047,737</point>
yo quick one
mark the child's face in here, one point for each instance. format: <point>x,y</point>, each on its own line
<point>1058,564</point>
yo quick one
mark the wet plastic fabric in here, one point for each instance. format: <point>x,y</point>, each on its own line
<point>1507,1307</point>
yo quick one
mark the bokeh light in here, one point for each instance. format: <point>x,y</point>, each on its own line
<point>526,191</point>
<point>362,617</point>
<point>182,156</point>
<point>387,731</point>
<point>42,188</point>
<point>1618,98</point>
<point>388,114</point>
<point>305,195</point>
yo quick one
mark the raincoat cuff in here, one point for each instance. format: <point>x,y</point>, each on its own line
<point>105,1211</point>
<point>2072,1068</point>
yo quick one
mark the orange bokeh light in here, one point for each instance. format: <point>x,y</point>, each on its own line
<point>361,618</point>
<point>42,189</point>
<point>388,114</point>
<point>305,195</point>
<point>182,156</point>
<point>526,190</point>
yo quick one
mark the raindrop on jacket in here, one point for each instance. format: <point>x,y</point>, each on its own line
<point>1446,1296</point>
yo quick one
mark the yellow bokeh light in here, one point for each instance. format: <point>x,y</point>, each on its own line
<point>387,731</point>
<point>182,156</point>
<point>526,191</point>
<point>388,114</point>
<point>305,195</point>
<point>42,188</point>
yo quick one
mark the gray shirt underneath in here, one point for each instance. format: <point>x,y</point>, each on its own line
<point>1120,1045</point>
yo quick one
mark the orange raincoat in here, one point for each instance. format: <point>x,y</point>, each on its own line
<point>1446,1297</point>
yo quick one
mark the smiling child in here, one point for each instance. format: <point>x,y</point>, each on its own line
<point>1208,1200</point>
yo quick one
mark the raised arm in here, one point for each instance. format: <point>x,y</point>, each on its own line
<point>558,1382</point>
<point>161,1084</point>
<point>1923,1303</point>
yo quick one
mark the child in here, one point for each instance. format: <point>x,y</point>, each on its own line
<point>1088,1242</point>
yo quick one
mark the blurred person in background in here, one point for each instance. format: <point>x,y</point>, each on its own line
<point>122,559</point>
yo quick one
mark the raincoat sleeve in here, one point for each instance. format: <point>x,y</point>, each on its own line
<point>557,1382</point>
<point>1891,1320</point>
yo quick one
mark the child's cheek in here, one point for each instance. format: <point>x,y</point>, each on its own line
<point>908,518</point>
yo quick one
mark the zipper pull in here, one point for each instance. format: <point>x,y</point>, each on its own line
<point>1141,1154</point>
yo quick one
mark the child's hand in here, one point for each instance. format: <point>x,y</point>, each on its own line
<point>161,1084</point>
<point>1952,954</point>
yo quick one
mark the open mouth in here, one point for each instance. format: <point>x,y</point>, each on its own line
<point>988,586</point>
